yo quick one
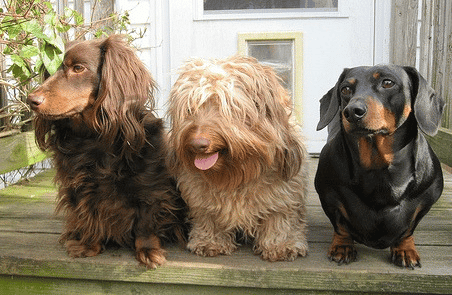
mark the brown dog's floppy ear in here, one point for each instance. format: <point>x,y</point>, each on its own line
<point>428,107</point>
<point>125,88</point>
<point>329,104</point>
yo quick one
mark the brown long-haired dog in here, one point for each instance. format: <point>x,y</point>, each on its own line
<point>109,151</point>
<point>239,160</point>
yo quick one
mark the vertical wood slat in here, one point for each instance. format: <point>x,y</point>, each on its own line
<point>404,32</point>
<point>102,9</point>
<point>3,101</point>
<point>79,6</point>
<point>447,85</point>
<point>61,5</point>
<point>442,53</point>
<point>426,39</point>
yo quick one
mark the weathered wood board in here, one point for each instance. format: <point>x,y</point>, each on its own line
<point>32,260</point>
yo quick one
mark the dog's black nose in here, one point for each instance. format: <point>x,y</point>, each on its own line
<point>199,144</point>
<point>355,111</point>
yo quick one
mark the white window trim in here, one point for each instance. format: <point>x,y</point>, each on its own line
<point>198,15</point>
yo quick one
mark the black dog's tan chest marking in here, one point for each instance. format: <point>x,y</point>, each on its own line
<point>375,152</point>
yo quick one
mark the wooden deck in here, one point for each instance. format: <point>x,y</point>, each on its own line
<point>33,262</point>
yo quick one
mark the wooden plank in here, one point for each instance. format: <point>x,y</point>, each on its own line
<point>438,66</point>
<point>19,151</point>
<point>447,92</point>
<point>16,285</point>
<point>371,273</point>
<point>101,10</point>
<point>426,39</point>
<point>404,32</point>
<point>32,259</point>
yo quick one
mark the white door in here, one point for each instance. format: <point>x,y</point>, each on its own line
<point>313,44</point>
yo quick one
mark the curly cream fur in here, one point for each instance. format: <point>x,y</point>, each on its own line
<point>258,184</point>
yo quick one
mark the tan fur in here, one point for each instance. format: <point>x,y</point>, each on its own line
<point>258,184</point>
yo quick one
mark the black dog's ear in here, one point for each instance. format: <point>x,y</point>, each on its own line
<point>428,107</point>
<point>329,104</point>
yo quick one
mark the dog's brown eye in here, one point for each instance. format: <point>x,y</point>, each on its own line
<point>346,91</point>
<point>387,83</point>
<point>78,68</point>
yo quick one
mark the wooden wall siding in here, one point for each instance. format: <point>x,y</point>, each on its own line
<point>404,32</point>
<point>2,87</point>
<point>435,54</point>
<point>442,51</point>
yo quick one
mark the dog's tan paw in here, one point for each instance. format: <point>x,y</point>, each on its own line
<point>342,253</point>
<point>77,249</point>
<point>148,251</point>
<point>342,248</point>
<point>151,258</point>
<point>405,254</point>
<point>282,252</point>
<point>210,249</point>
<point>406,258</point>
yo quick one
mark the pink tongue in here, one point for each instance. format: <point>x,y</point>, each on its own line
<point>204,162</point>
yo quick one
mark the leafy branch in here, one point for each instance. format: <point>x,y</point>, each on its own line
<point>32,43</point>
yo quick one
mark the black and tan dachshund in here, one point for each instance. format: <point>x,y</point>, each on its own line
<point>377,175</point>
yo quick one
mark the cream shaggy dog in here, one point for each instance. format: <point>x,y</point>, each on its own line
<point>239,161</point>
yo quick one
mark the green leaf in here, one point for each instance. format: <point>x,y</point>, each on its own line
<point>34,28</point>
<point>62,28</point>
<point>7,50</point>
<point>48,4</point>
<point>17,71</point>
<point>29,51</point>
<point>79,21</point>
<point>19,68</point>
<point>38,65</point>
<point>16,59</point>
<point>13,30</point>
<point>50,18</point>
<point>99,33</point>
<point>52,58</point>
<point>57,42</point>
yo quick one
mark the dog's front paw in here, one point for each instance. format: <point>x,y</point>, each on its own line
<point>148,251</point>
<point>77,249</point>
<point>209,248</point>
<point>282,252</point>
<point>342,253</point>
<point>151,258</point>
<point>342,249</point>
<point>405,254</point>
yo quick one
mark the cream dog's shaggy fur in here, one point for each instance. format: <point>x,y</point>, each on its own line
<point>238,158</point>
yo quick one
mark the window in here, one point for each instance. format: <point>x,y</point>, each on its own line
<point>221,5</point>
<point>282,51</point>
<point>278,54</point>
<point>259,9</point>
